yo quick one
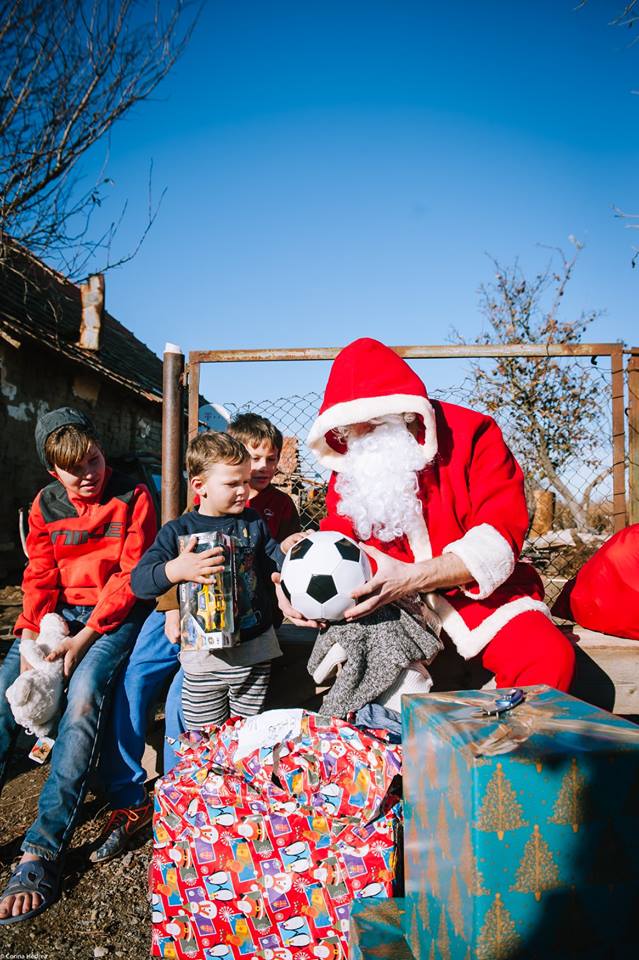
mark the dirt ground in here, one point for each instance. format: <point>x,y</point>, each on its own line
<point>103,912</point>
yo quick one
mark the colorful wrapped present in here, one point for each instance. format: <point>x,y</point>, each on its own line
<point>261,854</point>
<point>521,830</point>
<point>376,930</point>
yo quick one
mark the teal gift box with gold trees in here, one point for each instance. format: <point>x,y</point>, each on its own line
<point>376,930</point>
<point>521,829</point>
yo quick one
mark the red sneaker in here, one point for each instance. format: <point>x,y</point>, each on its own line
<point>120,828</point>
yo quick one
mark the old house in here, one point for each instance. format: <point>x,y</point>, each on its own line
<point>59,346</point>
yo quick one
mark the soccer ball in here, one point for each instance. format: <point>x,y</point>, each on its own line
<point>320,573</point>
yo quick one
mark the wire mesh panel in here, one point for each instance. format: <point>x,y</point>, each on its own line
<point>299,473</point>
<point>555,414</point>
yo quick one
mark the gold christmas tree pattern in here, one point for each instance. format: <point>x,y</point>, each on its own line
<point>432,875</point>
<point>443,940</point>
<point>454,788</point>
<point>442,834</point>
<point>455,906</point>
<point>498,939</point>
<point>468,867</point>
<point>500,810</point>
<point>570,805</point>
<point>420,918</point>
<point>430,762</point>
<point>537,871</point>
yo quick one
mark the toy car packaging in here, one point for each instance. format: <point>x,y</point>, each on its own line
<point>261,854</point>
<point>208,611</point>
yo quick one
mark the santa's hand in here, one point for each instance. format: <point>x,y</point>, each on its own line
<point>393,579</point>
<point>291,614</point>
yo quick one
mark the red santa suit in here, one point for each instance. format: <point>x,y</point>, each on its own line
<point>473,505</point>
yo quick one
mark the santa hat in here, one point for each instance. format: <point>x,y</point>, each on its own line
<point>368,380</point>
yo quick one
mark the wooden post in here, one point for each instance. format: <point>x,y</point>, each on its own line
<point>172,419</point>
<point>618,440</point>
<point>633,435</point>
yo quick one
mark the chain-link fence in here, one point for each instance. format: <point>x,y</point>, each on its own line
<point>563,442</point>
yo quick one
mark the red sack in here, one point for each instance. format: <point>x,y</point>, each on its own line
<point>604,595</point>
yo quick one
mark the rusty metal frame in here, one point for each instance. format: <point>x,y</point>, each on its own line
<point>615,351</point>
<point>633,434</point>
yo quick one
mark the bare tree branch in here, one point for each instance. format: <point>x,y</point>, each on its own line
<point>68,71</point>
<point>551,409</point>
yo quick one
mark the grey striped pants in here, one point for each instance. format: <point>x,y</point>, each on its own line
<point>215,696</point>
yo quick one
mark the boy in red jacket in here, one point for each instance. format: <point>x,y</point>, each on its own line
<point>87,531</point>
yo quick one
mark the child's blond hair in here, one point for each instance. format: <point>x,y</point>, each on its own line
<point>208,448</point>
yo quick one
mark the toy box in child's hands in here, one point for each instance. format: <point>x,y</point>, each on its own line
<point>208,611</point>
<point>263,857</point>
<point>521,829</point>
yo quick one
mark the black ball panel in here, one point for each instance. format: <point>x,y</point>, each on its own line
<point>301,549</point>
<point>285,590</point>
<point>347,550</point>
<point>321,588</point>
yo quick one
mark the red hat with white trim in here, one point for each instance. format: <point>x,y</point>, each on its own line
<point>368,380</point>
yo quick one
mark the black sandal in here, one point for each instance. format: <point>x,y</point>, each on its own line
<point>35,876</point>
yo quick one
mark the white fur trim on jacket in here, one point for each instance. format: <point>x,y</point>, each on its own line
<point>487,555</point>
<point>471,642</point>
<point>419,540</point>
<point>363,409</point>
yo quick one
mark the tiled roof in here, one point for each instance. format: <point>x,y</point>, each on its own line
<point>38,303</point>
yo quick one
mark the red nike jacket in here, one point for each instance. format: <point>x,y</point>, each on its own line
<point>83,552</point>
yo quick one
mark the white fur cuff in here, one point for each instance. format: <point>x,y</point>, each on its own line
<point>487,556</point>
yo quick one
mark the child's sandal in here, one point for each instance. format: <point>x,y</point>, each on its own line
<point>35,876</point>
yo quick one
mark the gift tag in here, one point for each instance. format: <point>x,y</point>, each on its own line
<point>41,749</point>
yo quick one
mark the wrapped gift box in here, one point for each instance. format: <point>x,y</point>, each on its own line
<point>376,930</point>
<point>262,855</point>
<point>521,831</point>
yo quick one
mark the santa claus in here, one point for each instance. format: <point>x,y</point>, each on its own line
<point>437,498</point>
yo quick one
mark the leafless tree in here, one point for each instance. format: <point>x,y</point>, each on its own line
<point>69,69</point>
<point>628,15</point>
<point>552,409</point>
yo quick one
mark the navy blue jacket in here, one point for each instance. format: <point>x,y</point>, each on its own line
<point>257,556</point>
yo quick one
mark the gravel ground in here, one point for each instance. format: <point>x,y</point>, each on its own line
<point>103,912</point>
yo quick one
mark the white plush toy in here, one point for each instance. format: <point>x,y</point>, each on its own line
<point>35,695</point>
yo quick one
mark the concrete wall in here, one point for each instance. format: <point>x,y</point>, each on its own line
<point>33,381</point>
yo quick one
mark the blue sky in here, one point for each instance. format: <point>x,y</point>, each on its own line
<point>336,170</point>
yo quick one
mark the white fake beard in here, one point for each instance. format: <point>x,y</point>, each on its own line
<point>377,483</point>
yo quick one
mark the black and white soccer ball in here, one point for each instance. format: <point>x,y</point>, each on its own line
<point>320,573</point>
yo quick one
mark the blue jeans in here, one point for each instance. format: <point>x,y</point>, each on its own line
<point>153,659</point>
<point>79,730</point>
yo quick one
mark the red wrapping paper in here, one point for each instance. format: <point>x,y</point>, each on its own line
<point>262,856</point>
